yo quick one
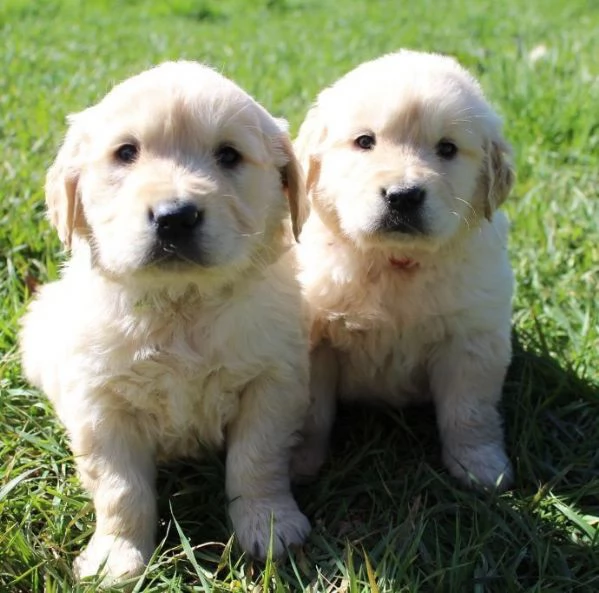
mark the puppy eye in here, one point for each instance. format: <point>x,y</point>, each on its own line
<point>365,141</point>
<point>446,149</point>
<point>126,153</point>
<point>228,157</point>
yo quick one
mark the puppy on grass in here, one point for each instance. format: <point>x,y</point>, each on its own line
<point>176,322</point>
<point>404,257</point>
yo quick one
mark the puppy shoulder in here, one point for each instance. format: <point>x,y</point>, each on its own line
<point>62,323</point>
<point>49,331</point>
<point>483,279</point>
<point>274,315</point>
<point>489,252</point>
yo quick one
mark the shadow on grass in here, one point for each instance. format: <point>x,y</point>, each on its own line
<point>384,499</point>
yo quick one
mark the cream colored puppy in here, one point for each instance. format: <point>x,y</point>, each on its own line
<point>176,323</point>
<point>404,257</point>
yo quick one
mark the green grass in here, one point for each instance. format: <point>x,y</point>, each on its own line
<point>386,516</point>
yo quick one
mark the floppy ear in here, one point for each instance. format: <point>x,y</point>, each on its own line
<point>293,183</point>
<point>62,197</point>
<point>499,175</point>
<point>307,144</point>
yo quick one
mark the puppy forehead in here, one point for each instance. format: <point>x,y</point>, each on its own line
<point>405,91</point>
<point>395,73</point>
<point>181,101</point>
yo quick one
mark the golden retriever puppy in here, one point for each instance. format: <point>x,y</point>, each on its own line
<point>403,259</point>
<point>176,322</point>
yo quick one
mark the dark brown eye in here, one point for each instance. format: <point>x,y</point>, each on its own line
<point>365,141</point>
<point>127,153</point>
<point>446,150</point>
<point>228,157</point>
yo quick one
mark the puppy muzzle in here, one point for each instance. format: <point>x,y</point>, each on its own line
<point>177,229</point>
<point>404,208</point>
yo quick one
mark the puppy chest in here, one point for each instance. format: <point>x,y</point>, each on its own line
<point>181,402</point>
<point>383,362</point>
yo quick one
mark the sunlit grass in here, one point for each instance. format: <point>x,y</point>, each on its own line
<point>384,500</point>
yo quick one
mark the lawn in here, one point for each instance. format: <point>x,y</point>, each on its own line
<point>386,515</point>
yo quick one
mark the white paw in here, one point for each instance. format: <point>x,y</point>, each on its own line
<point>115,558</point>
<point>484,466</point>
<point>254,520</point>
<point>306,459</point>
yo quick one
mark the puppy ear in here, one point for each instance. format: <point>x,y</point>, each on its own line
<point>307,145</point>
<point>62,197</point>
<point>499,175</point>
<point>293,184</point>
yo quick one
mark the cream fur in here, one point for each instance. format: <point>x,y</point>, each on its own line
<point>438,327</point>
<point>145,362</point>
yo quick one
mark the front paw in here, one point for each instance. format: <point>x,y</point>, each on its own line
<point>260,523</point>
<point>114,558</point>
<point>484,465</point>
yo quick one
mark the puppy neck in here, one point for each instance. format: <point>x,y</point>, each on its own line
<point>323,249</point>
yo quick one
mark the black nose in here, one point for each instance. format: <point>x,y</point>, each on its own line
<point>175,219</point>
<point>404,198</point>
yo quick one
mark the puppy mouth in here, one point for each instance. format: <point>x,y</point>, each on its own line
<point>169,255</point>
<point>401,224</point>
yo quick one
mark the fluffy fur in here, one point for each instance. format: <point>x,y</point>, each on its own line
<point>153,345</point>
<point>403,258</point>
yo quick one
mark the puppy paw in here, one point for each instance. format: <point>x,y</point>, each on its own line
<point>114,558</point>
<point>485,466</point>
<point>306,460</point>
<point>256,520</point>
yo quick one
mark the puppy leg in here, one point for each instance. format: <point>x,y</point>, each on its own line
<point>309,455</point>
<point>466,378</point>
<point>117,467</point>
<point>258,451</point>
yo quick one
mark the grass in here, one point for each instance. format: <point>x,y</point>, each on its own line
<point>386,515</point>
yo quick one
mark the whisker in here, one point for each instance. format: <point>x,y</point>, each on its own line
<point>460,217</point>
<point>465,202</point>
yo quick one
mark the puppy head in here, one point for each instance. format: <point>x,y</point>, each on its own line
<point>404,150</point>
<point>176,169</point>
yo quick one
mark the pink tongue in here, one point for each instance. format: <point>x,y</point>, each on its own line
<point>404,263</point>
